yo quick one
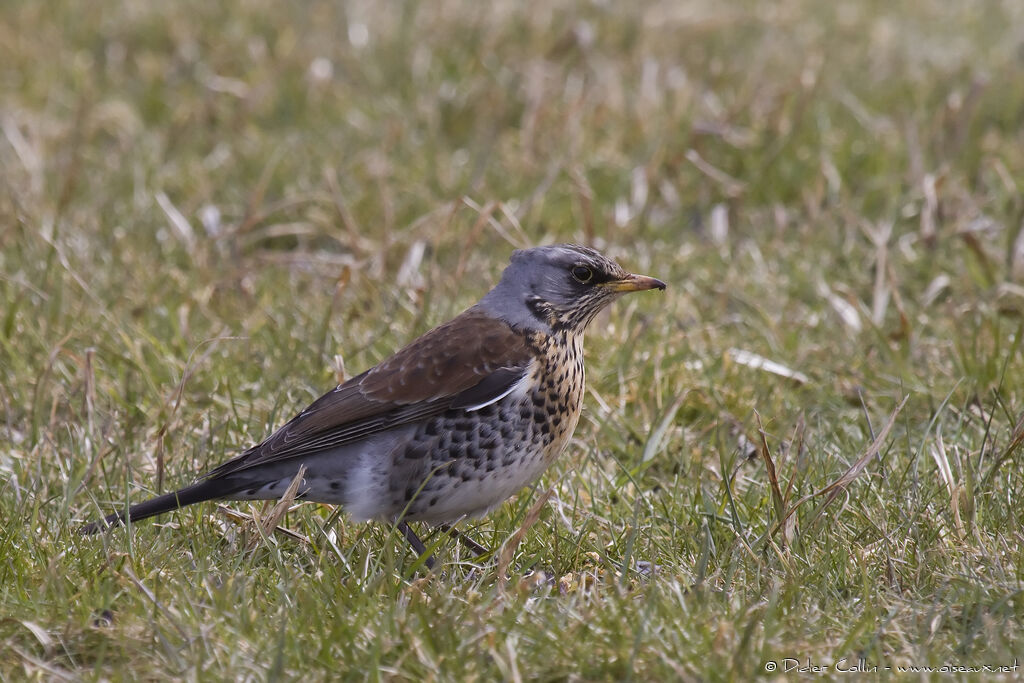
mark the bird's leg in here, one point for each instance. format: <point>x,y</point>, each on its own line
<point>465,540</point>
<point>416,544</point>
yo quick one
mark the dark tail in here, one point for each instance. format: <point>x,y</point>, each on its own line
<point>196,493</point>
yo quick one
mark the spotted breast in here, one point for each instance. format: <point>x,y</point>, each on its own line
<point>463,463</point>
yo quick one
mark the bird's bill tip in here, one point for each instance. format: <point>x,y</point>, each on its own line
<point>636,283</point>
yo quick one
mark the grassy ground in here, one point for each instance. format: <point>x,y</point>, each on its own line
<point>206,210</point>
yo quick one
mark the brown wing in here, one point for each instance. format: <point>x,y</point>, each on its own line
<point>467,361</point>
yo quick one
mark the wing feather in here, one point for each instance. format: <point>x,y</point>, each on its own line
<point>464,363</point>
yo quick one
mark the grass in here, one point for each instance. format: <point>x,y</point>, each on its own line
<point>207,210</point>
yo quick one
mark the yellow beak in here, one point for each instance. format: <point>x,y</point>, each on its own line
<point>635,283</point>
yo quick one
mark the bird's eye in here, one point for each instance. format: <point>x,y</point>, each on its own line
<point>582,274</point>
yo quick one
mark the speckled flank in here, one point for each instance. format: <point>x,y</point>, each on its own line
<point>465,463</point>
<point>461,463</point>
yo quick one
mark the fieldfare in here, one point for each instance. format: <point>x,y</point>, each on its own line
<point>449,426</point>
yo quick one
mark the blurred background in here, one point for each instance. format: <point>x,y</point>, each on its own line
<point>210,212</point>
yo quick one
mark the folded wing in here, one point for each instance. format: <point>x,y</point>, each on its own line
<point>464,364</point>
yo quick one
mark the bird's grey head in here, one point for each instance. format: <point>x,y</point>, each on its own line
<point>560,287</point>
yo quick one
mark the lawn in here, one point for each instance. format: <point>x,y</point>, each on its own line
<point>804,454</point>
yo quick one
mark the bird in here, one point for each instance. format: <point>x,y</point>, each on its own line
<point>451,425</point>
